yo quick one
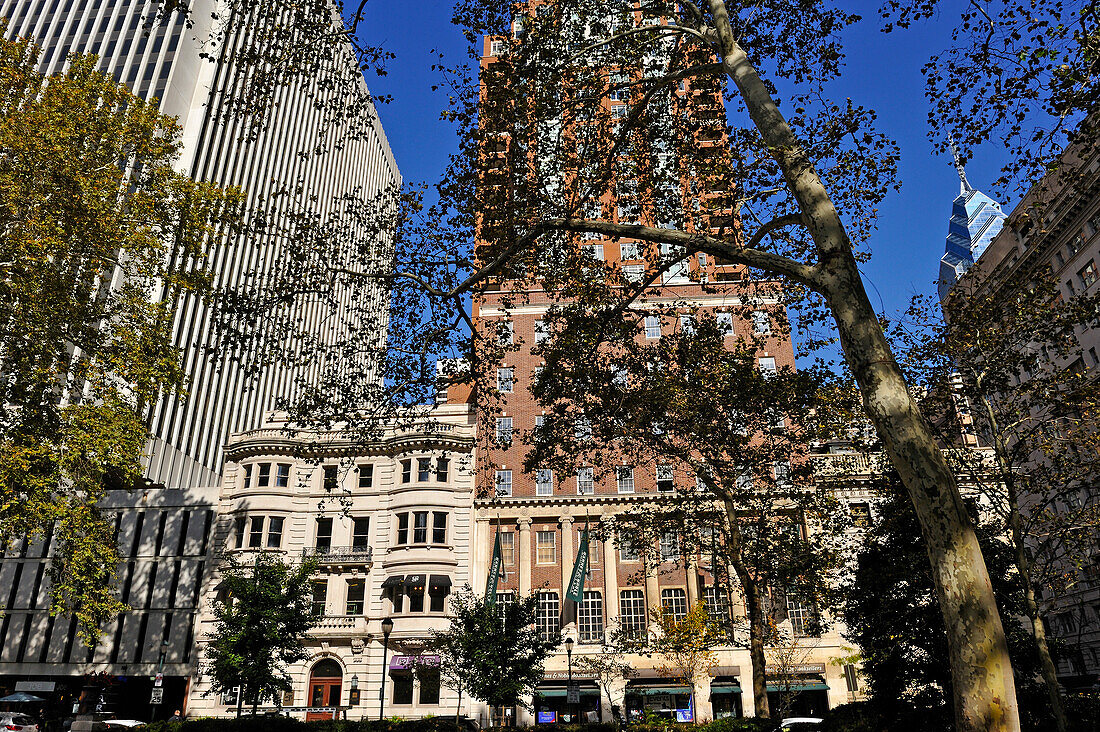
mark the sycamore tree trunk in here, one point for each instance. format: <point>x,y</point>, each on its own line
<point>754,610</point>
<point>985,692</point>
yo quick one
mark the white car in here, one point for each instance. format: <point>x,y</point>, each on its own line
<point>17,722</point>
<point>792,721</point>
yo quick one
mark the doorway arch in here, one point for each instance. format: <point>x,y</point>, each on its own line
<point>326,680</point>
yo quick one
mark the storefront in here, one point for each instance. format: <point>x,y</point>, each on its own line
<point>725,697</point>
<point>552,702</point>
<point>664,698</point>
<point>802,693</point>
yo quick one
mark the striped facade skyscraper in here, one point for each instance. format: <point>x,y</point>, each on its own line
<point>975,220</point>
<point>160,56</point>
<point>165,532</point>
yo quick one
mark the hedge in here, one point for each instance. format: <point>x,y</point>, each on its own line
<point>434,724</point>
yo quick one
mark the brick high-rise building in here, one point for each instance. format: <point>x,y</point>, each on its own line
<point>540,515</point>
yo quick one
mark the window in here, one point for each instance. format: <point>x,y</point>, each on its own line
<point>256,532</point>
<point>442,470</point>
<point>504,380</point>
<point>629,250</point>
<point>724,321</point>
<point>544,482</point>
<point>548,615</point>
<point>406,471</point>
<point>670,546</point>
<point>429,685</point>
<point>330,480</point>
<point>546,547</point>
<point>634,273</point>
<point>282,475</point>
<point>632,613</point>
<point>416,599</point>
<point>541,333</point>
<point>324,535</point>
<point>582,429</point>
<point>439,527</point>
<point>666,481</point>
<point>423,469</point>
<point>320,595</point>
<point>496,48</point>
<point>1088,274</point>
<point>403,682</point>
<point>590,617</point>
<point>506,332</point>
<point>354,604</point>
<point>593,251</point>
<point>239,531</point>
<point>717,601</point>
<point>782,470</point>
<point>586,485</point>
<point>687,324</point>
<point>652,327</point>
<point>504,483</point>
<point>508,547</point>
<point>761,322</point>
<point>861,514</point>
<point>505,598</point>
<point>802,616</point>
<point>628,552</point>
<point>274,532</point>
<point>248,476</point>
<point>420,527</point>
<point>767,366</point>
<point>504,431</point>
<point>674,602</point>
<point>624,478</point>
<point>366,476</point>
<point>360,534</point>
<point>397,597</point>
<point>540,421</point>
<point>402,528</point>
<point>263,478</point>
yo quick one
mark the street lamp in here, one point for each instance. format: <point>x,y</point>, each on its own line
<point>569,685</point>
<point>387,628</point>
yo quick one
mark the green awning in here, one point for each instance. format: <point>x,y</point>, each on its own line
<point>800,686</point>
<point>658,690</point>
<point>725,688</point>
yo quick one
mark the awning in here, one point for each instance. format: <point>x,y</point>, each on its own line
<point>405,663</point>
<point>658,690</point>
<point>725,687</point>
<point>394,581</point>
<point>561,691</point>
<point>439,583</point>
<point>800,685</point>
<point>414,581</point>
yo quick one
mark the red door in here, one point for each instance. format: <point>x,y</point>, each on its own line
<point>325,681</point>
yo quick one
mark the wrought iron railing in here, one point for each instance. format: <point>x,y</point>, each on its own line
<point>338,554</point>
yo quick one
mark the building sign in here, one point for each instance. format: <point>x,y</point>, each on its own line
<point>548,716</point>
<point>804,668</point>
<point>564,675</point>
<point>46,686</point>
<point>404,663</point>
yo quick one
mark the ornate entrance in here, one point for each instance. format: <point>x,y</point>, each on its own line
<point>325,681</point>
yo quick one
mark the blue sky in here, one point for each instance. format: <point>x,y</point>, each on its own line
<point>882,72</point>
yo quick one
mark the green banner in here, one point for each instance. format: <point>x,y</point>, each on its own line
<point>494,573</point>
<point>580,570</point>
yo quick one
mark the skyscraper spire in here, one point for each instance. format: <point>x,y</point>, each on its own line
<point>964,184</point>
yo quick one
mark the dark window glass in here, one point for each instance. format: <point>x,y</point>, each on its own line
<point>439,528</point>
<point>274,532</point>
<point>420,527</point>
<point>429,686</point>
<point>423,469</point>
<point>359,533</point>
<point>402,688</point>
<point>366,476</point>
<point>356,589</point>
<point>416,601</point>
<point>282,475</point>
<point>320,594</point>
<point>330,478</point>
<point>402,528</point>
<point>442,469</point>
<point>324,534</point>
<point>264,477</point>
<point>437,601</point>
<point>256,532</point>
<point>406,471</point>
<point>239,526</point>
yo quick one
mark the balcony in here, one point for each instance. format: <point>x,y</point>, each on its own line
<point>341,555</point>
<point>339,626</point>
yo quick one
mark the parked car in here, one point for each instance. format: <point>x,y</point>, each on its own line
<point>17,722</point>
<point>794,724</point>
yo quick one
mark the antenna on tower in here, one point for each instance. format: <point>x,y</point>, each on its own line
<point>964,184</point>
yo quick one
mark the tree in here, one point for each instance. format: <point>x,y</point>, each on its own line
<point>891,614</point>
<point>610,665</point>
<point>544,161</point>
<point>492,650</point>
<point>687,645</point>
<point>262,614</point>
<point>99,236</point>
<point>728,440</point>
<point>1012,367</point>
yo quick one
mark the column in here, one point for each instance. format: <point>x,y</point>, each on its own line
<point>483,537</point>
<point>566,561</point>
<point>523,555</point>
<point>610,583</point>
